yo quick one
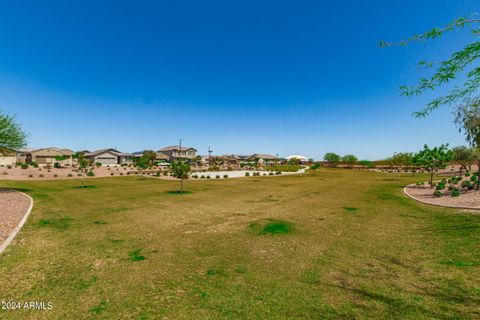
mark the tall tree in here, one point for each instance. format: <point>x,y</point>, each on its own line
<point>431,160</point>
<point>460,64</point>
<point>332,158</point>
<point>465,157</point>
<point>12,137</point>
<point>467,119</point>
<point>180,170</point>
<point>150,156</point>
<point>349,159</point>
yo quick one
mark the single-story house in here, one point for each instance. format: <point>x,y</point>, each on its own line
<point>109,156</point>
<point>262,156</point>
<point>7,158</point>
<point>49,156</point>
<point>177,152</point>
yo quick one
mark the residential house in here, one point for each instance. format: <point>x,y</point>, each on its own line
<point>7,158</point>
<point>262,156</point>
<point>109,156</point>
<point>49,156</point>
<point>160,157</point>
<point>177,152</point>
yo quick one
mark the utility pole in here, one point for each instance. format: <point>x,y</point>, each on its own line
<point>180,144</point>
<point>209,152</point>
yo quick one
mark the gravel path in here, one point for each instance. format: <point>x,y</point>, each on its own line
<point>14,206</point>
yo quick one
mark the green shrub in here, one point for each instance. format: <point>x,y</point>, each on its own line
<point>98,164</point>
<point>217,177</point>
<point>247,174</point>
<point>440,186</point>
<point>55,175</point>
<point>225,176</point>
<point>90,174</point>
<point>455,193</point>
<point>473,178</point>
<point>444,181</point>
<point>56,165</point>
<point>271,173</point>
<point>24,166</point>
<point>34,164</point>
<point>208,177</point>
<point>278,172</point>
<point>467,174</point>
<point>165,173</point>
<point>69,175</point>
<point>202,177</point>
<point>30,175</point>
<point>437,194</point>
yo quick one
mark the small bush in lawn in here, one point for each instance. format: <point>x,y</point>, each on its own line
<point>247,174</point>
<point>24,166</point>
<point>440,186</point>
<point>225,176</point>
<point>455,193</point>
<point>69,175</point>
<point>217,177</point>
<point>90,174</point>
<point>437,194</point>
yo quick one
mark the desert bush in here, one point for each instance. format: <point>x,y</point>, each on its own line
<point>69,175</point>
<point>455,193</point>
<point>278,172</point>
<point>225,176</point>
<point>208,177</point>
<point>30,175</point>
<point>90,174</point>
<point>98,164</point>
<point>473,178</point>
<point>165,173</point>
<point>34,164</point>
<point>217,177</point>
<point>41,176</point>
<point>24,166</point>
<point>56,165</point>
<point>112,174</point>
<point>467,174</point>
<point>437,193</point>
<point>270,173</point>
<point>247,174</point>
<point>202,177</point>
<point>121,173</point>
<point>9,167</point>
<point>55,175</point>
<point>440,186</point>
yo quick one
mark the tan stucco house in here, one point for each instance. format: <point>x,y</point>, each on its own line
<point>177,152</point>
<point>48,156</point>
<point>108,156</point>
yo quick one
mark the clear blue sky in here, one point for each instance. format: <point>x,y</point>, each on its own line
<point>286,77</point>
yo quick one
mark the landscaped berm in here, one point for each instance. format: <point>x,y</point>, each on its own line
<point>329,244</point>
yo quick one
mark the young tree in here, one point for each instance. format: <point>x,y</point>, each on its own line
<point>367,164</point>
<point>465,157</point>
<point>434,159</point>
<point>294,161</point>
<point>349,159</point>
<point>12,137</point>
<point>60,159</point>
<point>467,119</point>
<point>401,160</point>
<point>180,170</point>
<point>82,166</point>
<point>331,158</point>
<point>460,64</point>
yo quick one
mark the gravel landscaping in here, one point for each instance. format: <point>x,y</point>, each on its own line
<point>13,208</point>
<point>468,199</point>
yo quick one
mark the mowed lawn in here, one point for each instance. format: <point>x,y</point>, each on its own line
<point>351,246</point>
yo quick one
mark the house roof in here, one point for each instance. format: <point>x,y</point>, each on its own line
<point>297,156</point>
<point>52,152</point>
<point>264,156</point>
<point>173,148</point>
<point>96,153</point>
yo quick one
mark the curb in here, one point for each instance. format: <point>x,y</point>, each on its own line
<point>434,204</point>
<point>14,232</point>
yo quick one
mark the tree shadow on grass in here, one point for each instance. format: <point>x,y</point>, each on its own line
<point>178,192</point>
<point>84,187</point>
<point>7,190</point>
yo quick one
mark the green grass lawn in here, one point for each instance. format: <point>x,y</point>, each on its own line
<point>334,244</point>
